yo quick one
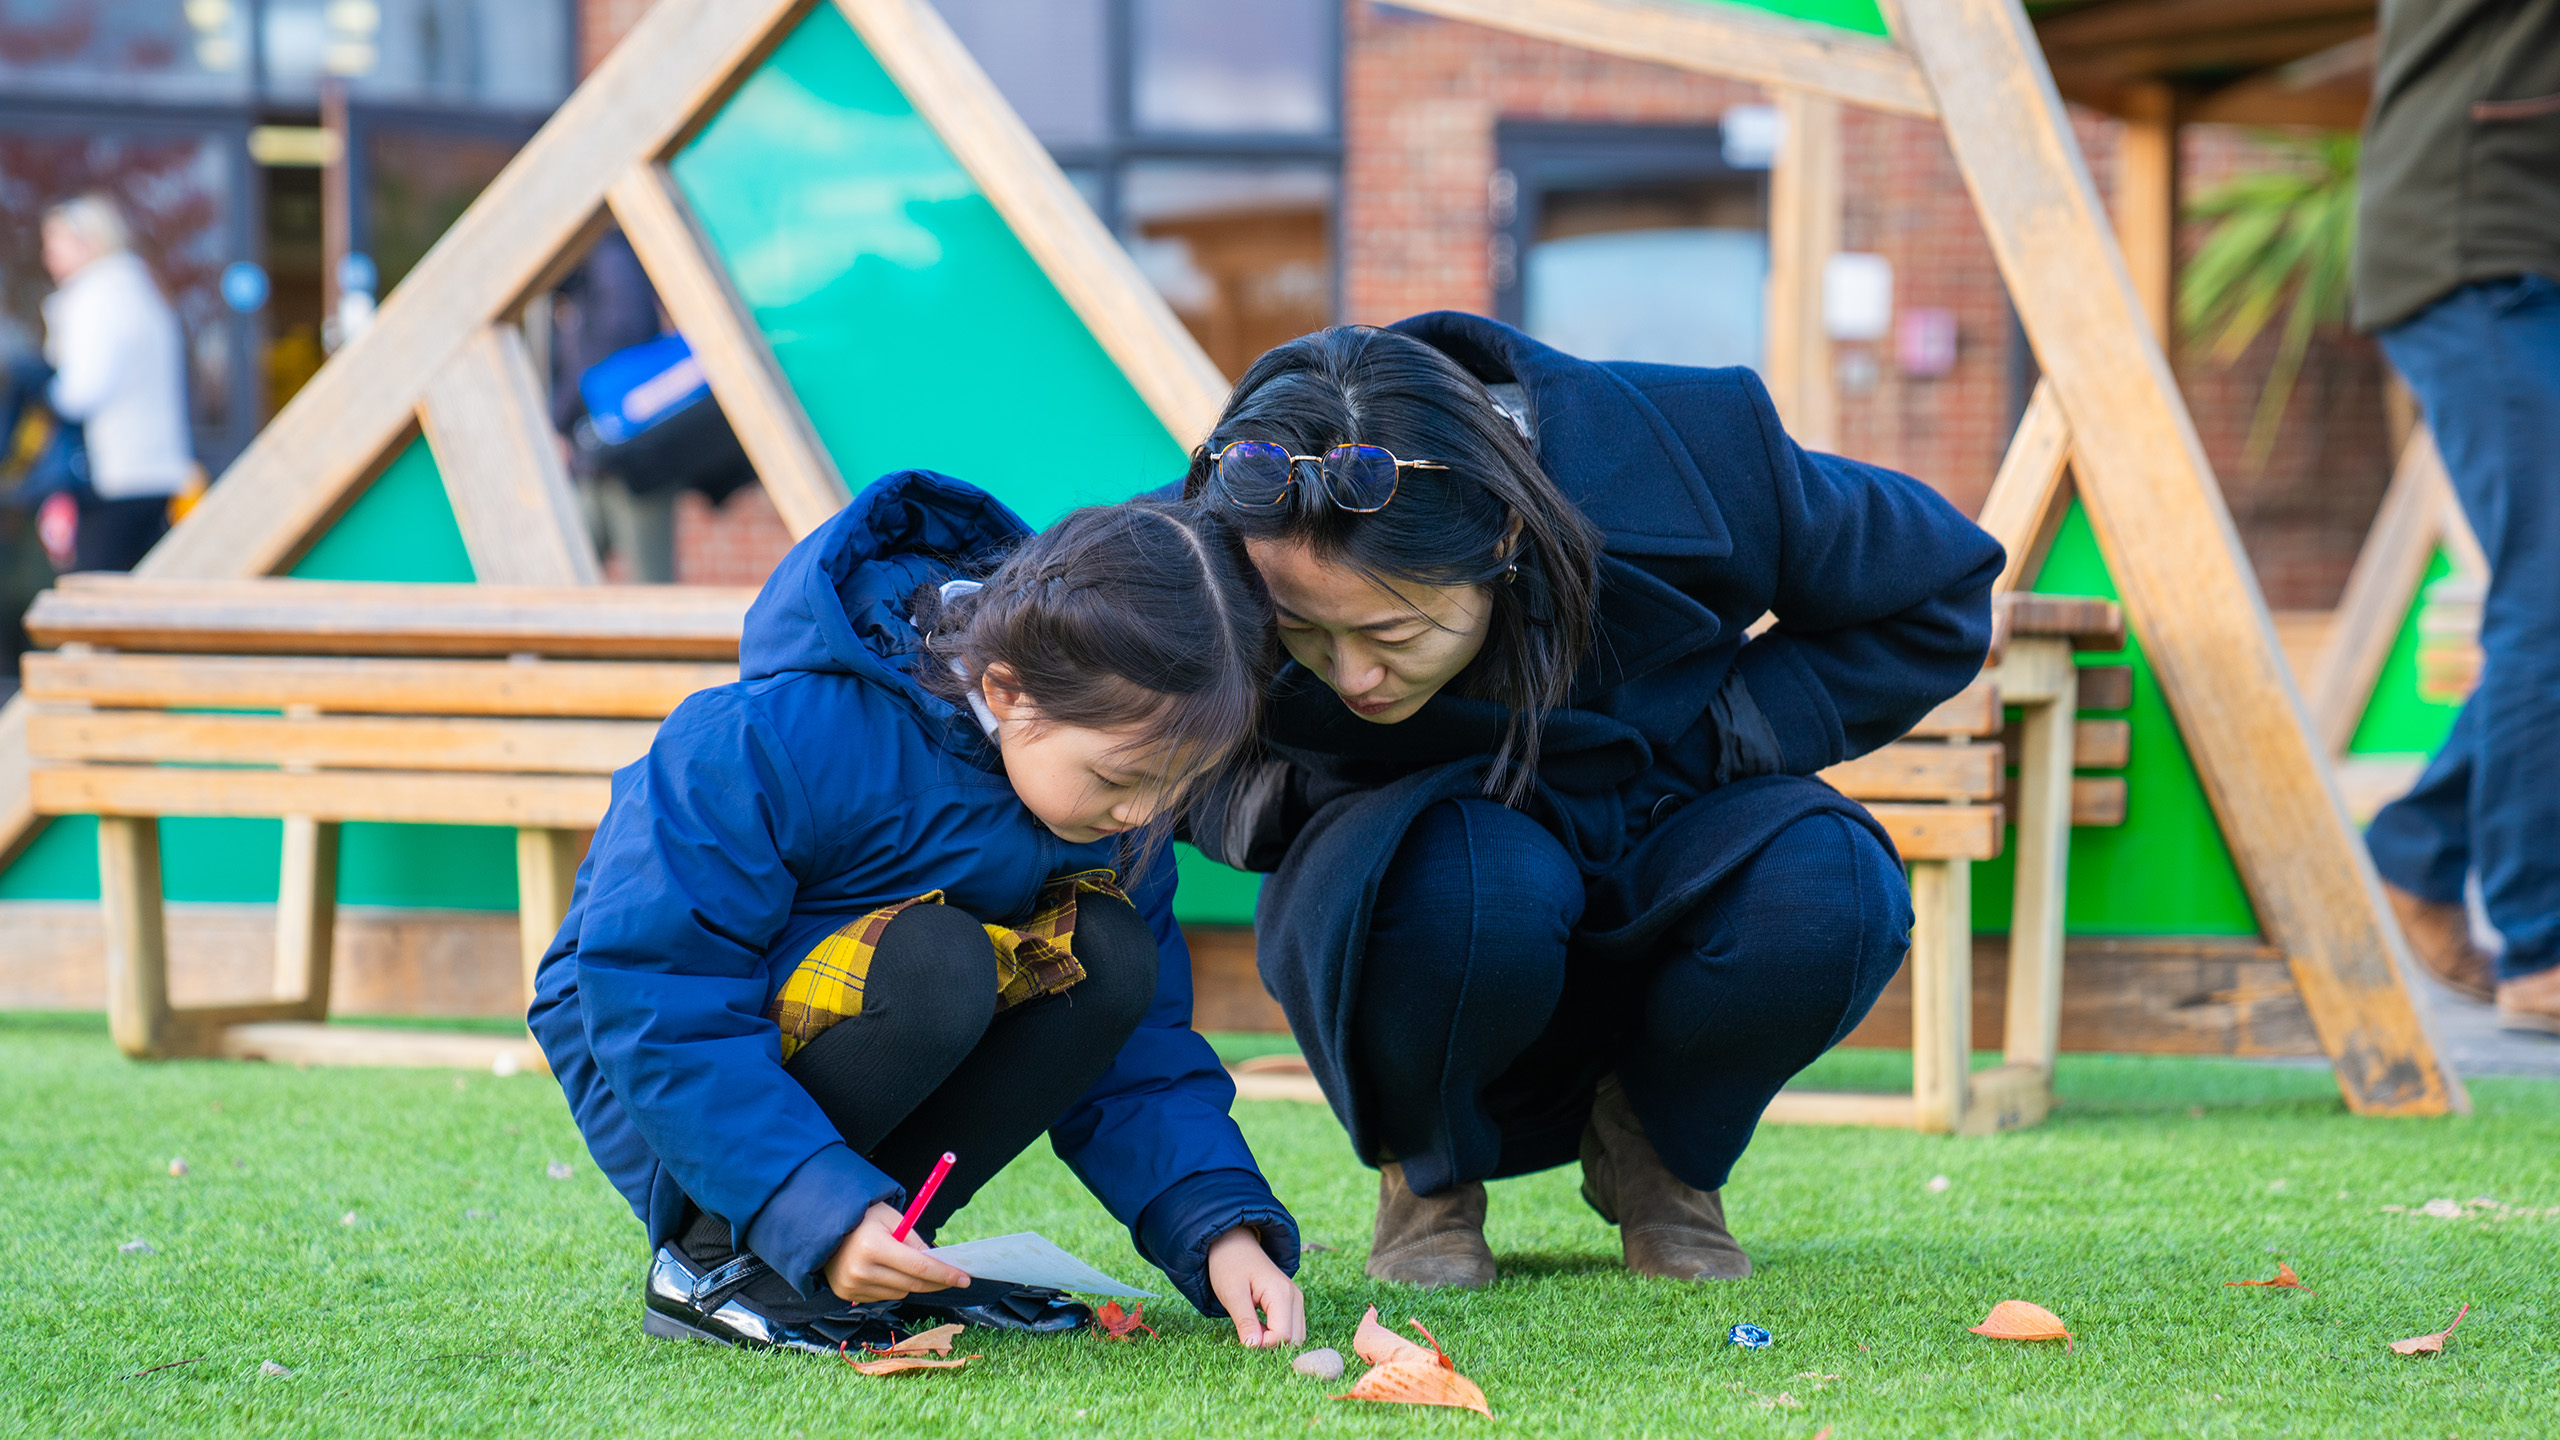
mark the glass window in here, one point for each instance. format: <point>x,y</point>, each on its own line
<point>1049,59</point>
<point>1243,253</point>
<point>175,50</point>
<point>416,182</point>
<point>503,54</point>
<point>1233,67</point>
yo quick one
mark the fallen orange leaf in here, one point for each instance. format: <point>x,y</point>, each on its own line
<point>1118,1324</point>
<point>2285,1280</point>
<point>2430,1344</point>
<point>1379,1345</point>
<point>1425,1381</point>
<point>900,1364</point>
<point>936,1341</point>
<point>2018,1320</point>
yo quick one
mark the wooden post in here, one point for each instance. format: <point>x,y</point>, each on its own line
<point>137,934</point>
<point>546,870</point>
<point>1941,992</point>
<point>2146,196</point>
<point>490,429</point>
<point>307,913</point>
<point>1804,231</point>
<point>2168,538</point>
<point>2037,675</point>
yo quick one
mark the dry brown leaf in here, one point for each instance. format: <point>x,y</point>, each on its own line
<point>936,1341</point>
<point>2018,1320</point>
<point>1379,1345</point>
<point>900,1364</point>
<point>2430,1344</point>
<point>1423,1381</point>
<point>1118,1324</point>
<point>2285,1280</point>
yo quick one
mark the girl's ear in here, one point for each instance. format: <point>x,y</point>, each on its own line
<point>1002,689</point>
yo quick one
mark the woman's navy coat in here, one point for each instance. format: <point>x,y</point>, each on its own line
<point>1685,746</point>
<point>824,784</point>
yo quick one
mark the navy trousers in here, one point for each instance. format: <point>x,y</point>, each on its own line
<point>2485,364</point>
<point>1480,1029</point>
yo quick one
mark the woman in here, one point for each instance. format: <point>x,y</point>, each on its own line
<point>1553,876</point>
<point>120,374</point>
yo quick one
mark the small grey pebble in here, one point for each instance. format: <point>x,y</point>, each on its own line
<point>272,1369</point>
<point>1325,1364</point>
<point>137,1247</point>
<point>559,1170</point>
<point>178,1168</point>
<point>348,1219</point>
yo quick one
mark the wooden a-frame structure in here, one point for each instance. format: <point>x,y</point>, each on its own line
<point>2107,414</point>
<point>446,357</point>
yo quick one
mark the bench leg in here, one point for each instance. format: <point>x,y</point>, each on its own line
<point>2043,852</point>
<point>546,870</point>
<point>1941,992</point>
<point>307,914</point>
<point>137,934</point>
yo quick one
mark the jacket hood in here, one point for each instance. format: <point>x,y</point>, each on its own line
<point>839,601</point>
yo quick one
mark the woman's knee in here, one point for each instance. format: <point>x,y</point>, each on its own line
<point>1472,867</point>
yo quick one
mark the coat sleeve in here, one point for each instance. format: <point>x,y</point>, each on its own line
<point>1153,1140</point>
<point>691,883</point>
<point>1882,597</point>
<point>87,335</point>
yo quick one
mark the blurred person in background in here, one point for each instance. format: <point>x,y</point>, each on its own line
<point>119,365</point>
<point>607,305</point>
<point>2458,274</point>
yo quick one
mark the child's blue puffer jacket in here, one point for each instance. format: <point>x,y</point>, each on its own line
<point>824,784</point>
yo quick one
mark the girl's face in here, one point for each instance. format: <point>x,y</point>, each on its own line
<point>1385,646</point>
<point>1083,784</point>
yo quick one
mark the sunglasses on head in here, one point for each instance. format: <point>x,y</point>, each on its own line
<point>1359,478</point>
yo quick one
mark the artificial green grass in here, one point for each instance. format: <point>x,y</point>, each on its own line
<point>473,1295</point>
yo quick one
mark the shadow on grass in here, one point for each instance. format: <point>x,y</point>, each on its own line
<point>1548,1263</point>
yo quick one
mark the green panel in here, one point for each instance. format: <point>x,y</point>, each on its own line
<point>2165,871</point>
<point>402,529</point>
<point>2398,719</point>
<point>1859,15</point>
<point>1211,893</point>
<point>914,327</point>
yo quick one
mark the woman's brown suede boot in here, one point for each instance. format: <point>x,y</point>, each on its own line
<point>1668,1230</point>
<point>1431,1241</point>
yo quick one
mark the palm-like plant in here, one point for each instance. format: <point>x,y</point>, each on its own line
<point>2282,239</point>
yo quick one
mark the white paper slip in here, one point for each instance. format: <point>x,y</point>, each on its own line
<point>1029,1259</point>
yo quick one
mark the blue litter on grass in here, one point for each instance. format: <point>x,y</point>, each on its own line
<point>1749,1337</point>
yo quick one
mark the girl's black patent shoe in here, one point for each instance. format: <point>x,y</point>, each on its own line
<point>996,1305</point>
<point>683,1301</point>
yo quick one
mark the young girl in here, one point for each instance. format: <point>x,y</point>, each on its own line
<point>893,894</point>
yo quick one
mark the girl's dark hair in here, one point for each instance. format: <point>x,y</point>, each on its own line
<point>1356,384</point>
<point>1143,614</point>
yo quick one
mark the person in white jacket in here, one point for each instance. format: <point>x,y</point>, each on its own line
<point>119,364</point>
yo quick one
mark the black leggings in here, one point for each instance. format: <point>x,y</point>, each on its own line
<point>929,1065</point>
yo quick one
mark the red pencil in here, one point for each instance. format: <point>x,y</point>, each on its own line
<point>924,1196</point>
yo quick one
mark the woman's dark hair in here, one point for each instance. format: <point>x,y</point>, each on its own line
<point>1143,614</point>
<point>1355,384</point>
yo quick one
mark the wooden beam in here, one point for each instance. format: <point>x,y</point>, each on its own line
<point>137,933</point>
<point>341,742</point>
<point>1093,273</point>
<point>2032,489</point>
<point>487,422</point>
<point>2106,687</point>
<point>547,863</point>
<point>1841,1107</point>
<point>1910,770</point>
<point>2388,571</point>
<point>1974,710</point>
<point>1938,832</point>
<point>567,802</point>
<point>329,617</point>
<point>757,401</point>
<point>376,1046</point>
<point>628,689</point>
<point>2205,995</point>
<point>1804,232</point>
<point>2146,198</point>
<point>18,819</point>
<point>307,913</point>
<point>1734,40</point>
<point>2043,858</point>
<point>1941,992</point>
<point>2007,1097</point>
<point>2169,541</point>
<point>295,476</point>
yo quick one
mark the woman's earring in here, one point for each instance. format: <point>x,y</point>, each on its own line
<point>1510,572</point>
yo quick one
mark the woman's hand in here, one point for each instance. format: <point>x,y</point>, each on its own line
<point>1265,1304</point>
<point>871,1266</point>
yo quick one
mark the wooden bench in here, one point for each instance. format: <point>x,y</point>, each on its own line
<point>1939,793</point>
<point>318,703</point>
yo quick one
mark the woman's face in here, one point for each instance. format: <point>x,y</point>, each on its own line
<point>1385,646</point>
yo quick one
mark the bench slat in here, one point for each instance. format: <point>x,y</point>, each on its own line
<point>570,747</point>
<point>1942,832</point>
<point>2106,687</point>
<point>2098,802</point>
<point>1921,771</point>
<point>555,802</point>
<point>328,617</point>
<point>627,689</point>
<point>1974,710</point>
<point>2088,622</point>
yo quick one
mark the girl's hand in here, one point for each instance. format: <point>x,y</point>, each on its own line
<point>871,1266</point>
<point>1265,1304</point>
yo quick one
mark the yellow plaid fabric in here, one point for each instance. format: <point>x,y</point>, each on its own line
<point>1032,959</point>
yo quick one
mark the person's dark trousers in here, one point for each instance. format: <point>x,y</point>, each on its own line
<point>2484,363</point>
<point>930,1065</point>
<point>116,534</point>
<point>1478,1032</point>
